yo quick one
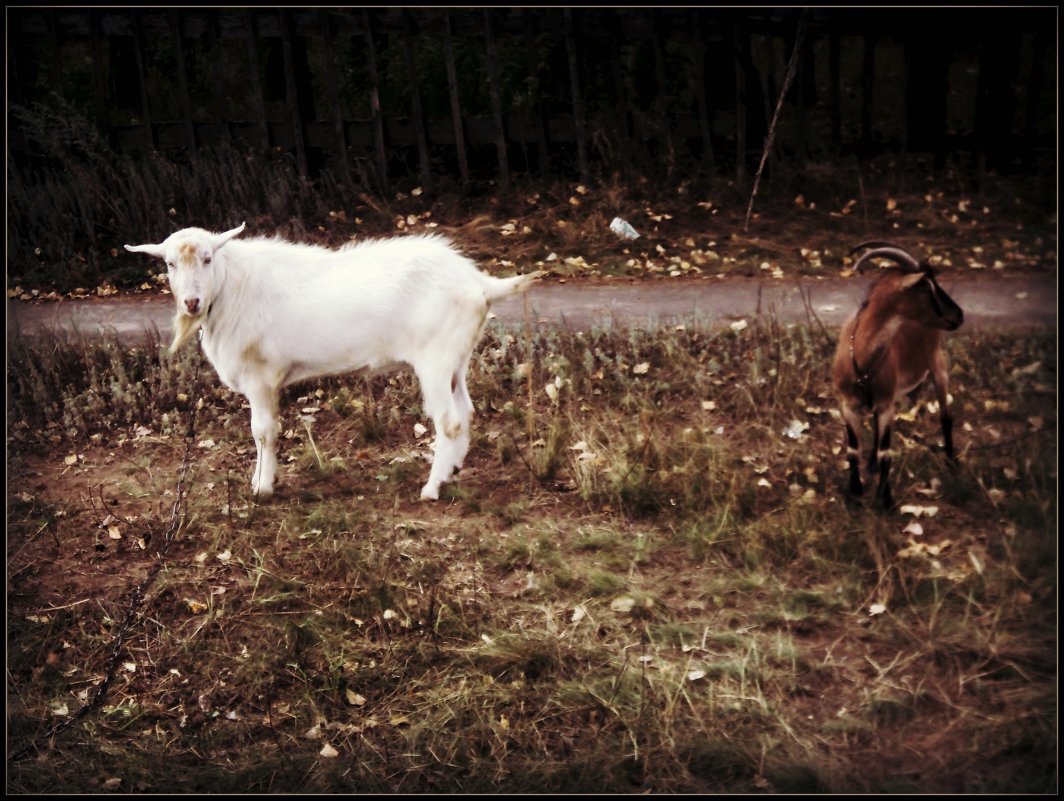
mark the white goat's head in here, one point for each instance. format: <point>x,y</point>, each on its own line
<point>189,254</point>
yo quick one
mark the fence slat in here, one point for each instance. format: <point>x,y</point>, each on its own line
<point>334,93</point>
<point>496,104</point>
<point>578,100</point>
<point>257,96</point>
<point>182,81</point>
<point>291,92</point>
<point>415,103</point>
<point>456,104</point>
<point>142,74</point>
<point>375,104</point>
<point>536,109</point>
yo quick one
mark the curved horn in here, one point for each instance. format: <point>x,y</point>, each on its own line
<point>901,257</point>
<point>220,239</point>
<point>875,243</point>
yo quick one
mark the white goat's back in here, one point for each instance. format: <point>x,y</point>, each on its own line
<point>324,311</point>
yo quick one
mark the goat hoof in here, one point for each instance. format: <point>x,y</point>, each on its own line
<point>428,494</point>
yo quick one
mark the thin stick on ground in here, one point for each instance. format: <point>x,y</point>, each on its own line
<point>792,68</point>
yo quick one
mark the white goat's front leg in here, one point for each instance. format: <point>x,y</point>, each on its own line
<point>264,428</point>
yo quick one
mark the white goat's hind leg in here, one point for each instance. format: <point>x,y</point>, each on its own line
<point>464,404</point>
<point>264,428</point>
<point>447,421</point>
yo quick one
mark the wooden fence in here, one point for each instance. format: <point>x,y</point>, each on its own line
<point>430,91</point>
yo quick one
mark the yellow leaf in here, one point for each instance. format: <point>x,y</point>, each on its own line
<point>195,606</point>
<point>353,698</point>
<point>71,459</point>
<point>114,533</point>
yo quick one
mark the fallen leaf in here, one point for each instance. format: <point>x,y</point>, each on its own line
<point>914,528</point>
<point>353,698</point>
<point>919,511</point>
<point>329,752</point>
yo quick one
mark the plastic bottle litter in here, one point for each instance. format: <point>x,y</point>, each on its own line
<point>623,229</point>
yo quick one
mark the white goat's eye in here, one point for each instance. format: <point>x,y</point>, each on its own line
<point>206,260</point>
<point>169,265</point>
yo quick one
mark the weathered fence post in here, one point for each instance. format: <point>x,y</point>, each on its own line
<point>214,37</point>
<point>142,76</point>
<point>496,104</point>
<point>339,131</point>
<point>415,103</point>
<point>291,93</point>
<point>578,100</point>
<point>867,88</point>
<point>740,44</point>
<point>536,105</point>
<point>456,105</point>
<point>256,81</point>
<point>698,88</point>
<point>98,83</point>
<point>375,104</point>
<point>57,64</point>
<point>182,81</point>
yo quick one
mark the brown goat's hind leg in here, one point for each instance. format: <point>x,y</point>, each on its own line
<point>886,499</point>
<point>853,459</point>
<point>873,456</point>
<point>940,376</point>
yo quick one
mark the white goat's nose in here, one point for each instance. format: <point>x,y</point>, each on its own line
<point>192,304</point>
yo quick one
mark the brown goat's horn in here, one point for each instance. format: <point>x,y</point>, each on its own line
<point>901,257</point>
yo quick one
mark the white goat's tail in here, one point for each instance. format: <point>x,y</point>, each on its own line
<point>499,288</point>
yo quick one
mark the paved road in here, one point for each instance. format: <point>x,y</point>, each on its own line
<point>988,300</point>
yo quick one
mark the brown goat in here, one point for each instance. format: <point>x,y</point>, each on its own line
<point>886,350</point>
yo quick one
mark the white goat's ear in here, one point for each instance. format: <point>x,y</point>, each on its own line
<point>151,250</point>
<point>221,239</point>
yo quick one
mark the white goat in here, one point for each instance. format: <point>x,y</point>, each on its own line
<point>273,312</point>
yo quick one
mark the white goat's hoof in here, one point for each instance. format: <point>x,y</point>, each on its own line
<point>261,493</point>
<point>430,494</point>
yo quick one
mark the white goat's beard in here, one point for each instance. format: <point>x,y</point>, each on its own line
<point>185,325</point>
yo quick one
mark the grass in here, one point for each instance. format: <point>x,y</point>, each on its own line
<point>639,582</point>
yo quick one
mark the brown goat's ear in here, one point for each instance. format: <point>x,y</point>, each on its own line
<point>910,280</point>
